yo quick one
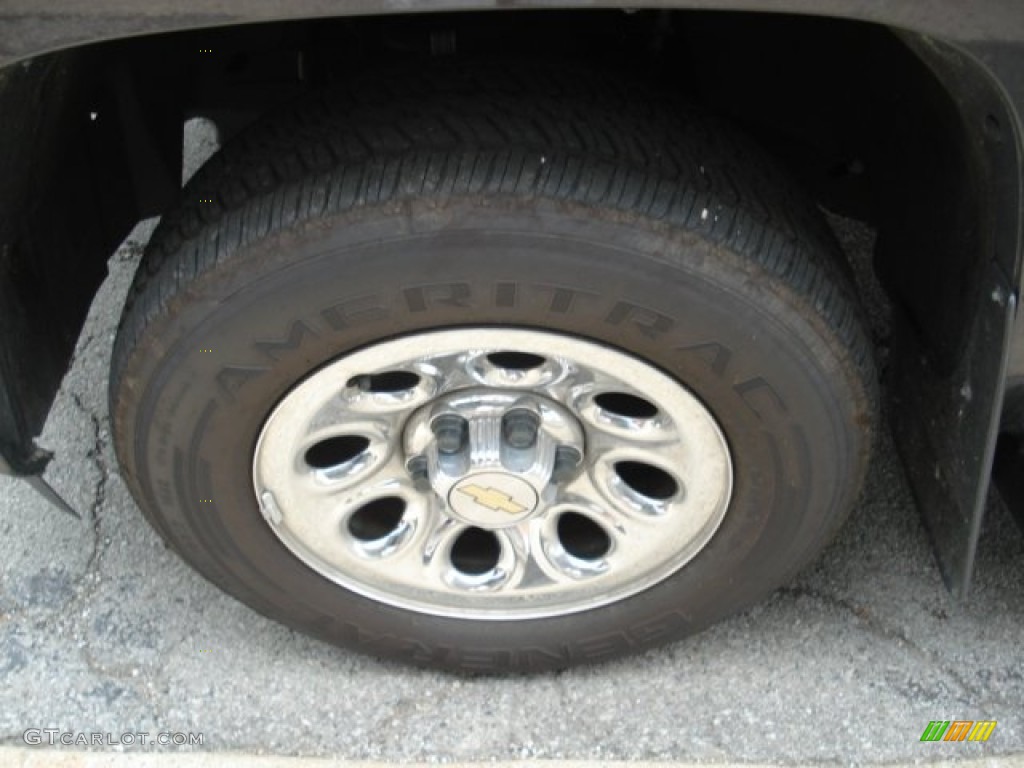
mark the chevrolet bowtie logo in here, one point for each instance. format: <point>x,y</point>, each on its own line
<point>492,499</point>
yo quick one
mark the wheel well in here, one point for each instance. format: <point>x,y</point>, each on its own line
<point>867,117</point>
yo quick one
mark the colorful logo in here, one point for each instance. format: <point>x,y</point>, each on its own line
<point>958,730</point>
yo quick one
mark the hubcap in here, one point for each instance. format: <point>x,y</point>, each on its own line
<point>492,474</point>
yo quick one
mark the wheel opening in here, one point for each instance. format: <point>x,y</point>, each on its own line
<point>475,551</point>
<point>646,479</point>
<point>630,406</point>
<point>387,382</point>
<point>515,361</point>
<point>376,519</point>
<point>336,450</point>
<point>581,537</point>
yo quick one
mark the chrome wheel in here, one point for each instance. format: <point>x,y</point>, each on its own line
<point>492,474</point>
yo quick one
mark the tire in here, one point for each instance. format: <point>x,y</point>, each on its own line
<point>578,221</point>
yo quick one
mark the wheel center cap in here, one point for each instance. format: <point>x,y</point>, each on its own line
<point>492,499</point>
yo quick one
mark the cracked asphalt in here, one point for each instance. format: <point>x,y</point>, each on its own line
<point>102,629</point>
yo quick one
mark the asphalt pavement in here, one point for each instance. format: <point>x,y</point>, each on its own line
<point>103,630</point>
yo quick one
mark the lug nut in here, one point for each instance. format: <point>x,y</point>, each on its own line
<point>417,467</point>
<point>567,460</point>
<point>519,427</point>
<point>450,431</point>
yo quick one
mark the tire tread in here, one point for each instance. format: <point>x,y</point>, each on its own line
<point>605,142</point>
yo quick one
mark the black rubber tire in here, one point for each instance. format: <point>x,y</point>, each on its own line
<point>573,203</point>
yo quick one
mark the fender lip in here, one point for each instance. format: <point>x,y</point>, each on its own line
<point>64,24</point>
